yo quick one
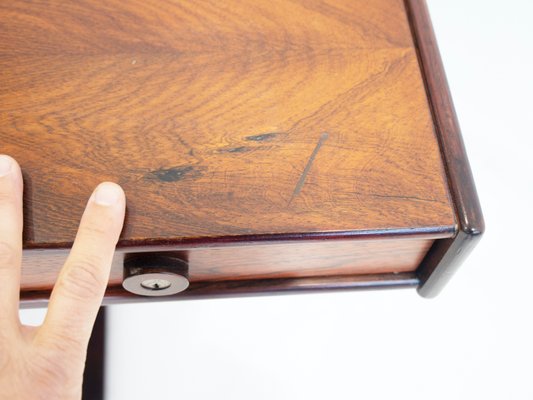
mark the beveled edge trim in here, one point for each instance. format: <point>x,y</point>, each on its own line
<point>446,255</point>
<point>250,287</point>
<point>429,232</point>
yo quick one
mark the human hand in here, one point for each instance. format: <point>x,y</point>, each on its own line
<point>47,362</point>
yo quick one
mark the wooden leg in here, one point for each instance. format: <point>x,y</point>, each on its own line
<point>93,377</point>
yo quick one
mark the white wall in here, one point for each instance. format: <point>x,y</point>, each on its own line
<point>474,341</point>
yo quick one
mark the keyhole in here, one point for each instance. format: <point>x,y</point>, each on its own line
<point>155,284</point>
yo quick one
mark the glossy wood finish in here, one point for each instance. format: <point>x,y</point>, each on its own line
<point>207,113</point>
<point>446,255</point>
<point>267,142</point>
<point>255,260</point>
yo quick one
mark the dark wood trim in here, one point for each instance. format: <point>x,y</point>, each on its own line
<point>239,288</point>
<point>446,255</point>
<point>94,374</point>
<point>430,232</point>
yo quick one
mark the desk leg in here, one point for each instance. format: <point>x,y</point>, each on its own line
<point>94,375</point>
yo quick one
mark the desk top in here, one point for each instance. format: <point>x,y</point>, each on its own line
<point>221,119</point>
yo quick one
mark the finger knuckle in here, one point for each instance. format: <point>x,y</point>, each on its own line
<point>7,254</point>
<point>83,278</point>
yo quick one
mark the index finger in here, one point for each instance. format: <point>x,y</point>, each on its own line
<point>78,292</point>
<point>10,239</point>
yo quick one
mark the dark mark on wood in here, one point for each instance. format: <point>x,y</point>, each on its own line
<point>308,166</point>
<point>242,149</point>
<point>262,138</point>
<point>170,174</point>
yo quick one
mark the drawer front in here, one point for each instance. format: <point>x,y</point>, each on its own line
<point>319,259</point>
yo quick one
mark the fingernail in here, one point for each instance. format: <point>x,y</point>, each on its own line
<point>107,194</point>
<point>6,163</point>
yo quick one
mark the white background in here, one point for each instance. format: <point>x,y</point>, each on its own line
<point>473,341</point>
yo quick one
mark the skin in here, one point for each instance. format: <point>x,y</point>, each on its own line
<point>47,362</point>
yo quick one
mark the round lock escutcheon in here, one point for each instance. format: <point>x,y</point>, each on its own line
<point>149,274</point>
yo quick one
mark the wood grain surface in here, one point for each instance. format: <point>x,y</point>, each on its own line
<point>219,118</point>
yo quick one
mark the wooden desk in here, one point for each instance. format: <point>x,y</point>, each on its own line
<point>272,145</point>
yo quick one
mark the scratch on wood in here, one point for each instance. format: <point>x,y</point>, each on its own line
<point>308,166</point>
<point>263,137</point>
<point>242,149</point>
